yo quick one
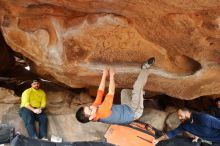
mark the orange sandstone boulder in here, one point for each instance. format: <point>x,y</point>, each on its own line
<point>72,41</point>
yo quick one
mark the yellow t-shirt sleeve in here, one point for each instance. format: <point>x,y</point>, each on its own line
<point>43,100</point>
<point>25,99</point>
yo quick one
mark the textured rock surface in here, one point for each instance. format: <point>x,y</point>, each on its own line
<point>172,121</point>
<point>64,125</point>
<point>61,107</point>
<point>154,117</point>
<point>7,96</point>
<point>71,41</point>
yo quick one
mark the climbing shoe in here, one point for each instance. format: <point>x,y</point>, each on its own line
<point>148,63</point>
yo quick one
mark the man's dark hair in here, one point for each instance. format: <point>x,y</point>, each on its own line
<point>185,109</point>
<point>36,80</point>
<point>81,116</point>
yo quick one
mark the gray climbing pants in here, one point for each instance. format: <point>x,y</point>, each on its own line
<point>134,98</point>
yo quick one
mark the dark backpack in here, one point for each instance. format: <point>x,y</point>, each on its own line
<point>6,133</point>
<point>21,140</point>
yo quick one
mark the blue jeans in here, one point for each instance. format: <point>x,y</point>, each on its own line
<point>29,119</point>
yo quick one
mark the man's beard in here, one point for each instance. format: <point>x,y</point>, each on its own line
<point>36,88</point>
<point>185,120</point>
